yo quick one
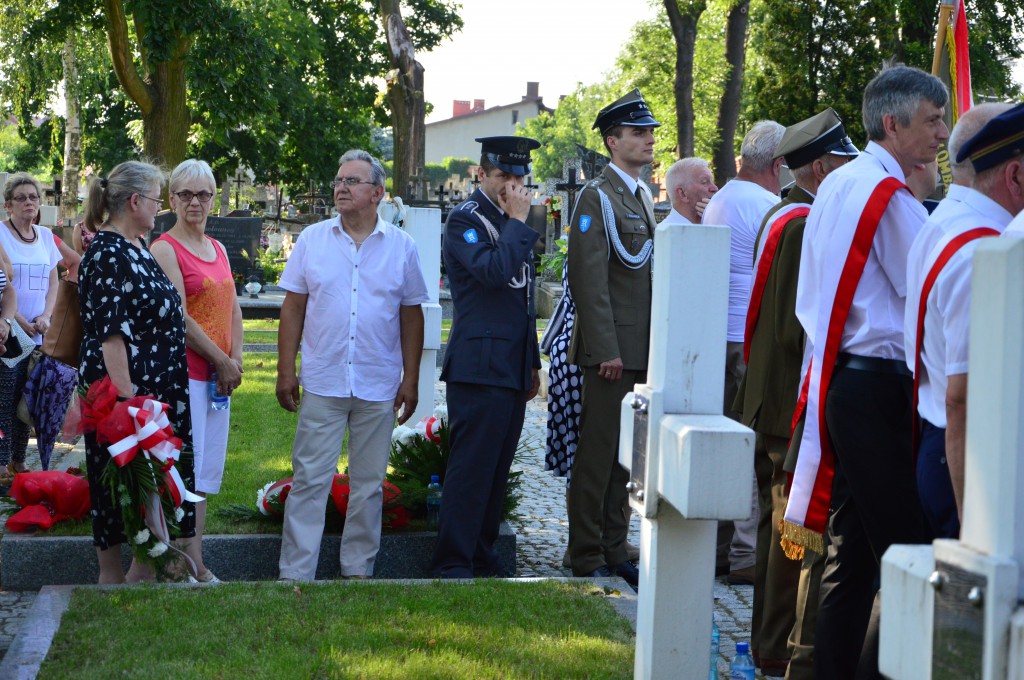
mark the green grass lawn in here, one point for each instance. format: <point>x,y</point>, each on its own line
<point>489,629</point>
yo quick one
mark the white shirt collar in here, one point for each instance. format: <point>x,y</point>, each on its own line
<point>631,183</point>
<point>500,211</point>
<point>676,217</point>
<point>377,228</point>
<point>986,207</point>
<point>886,159</point>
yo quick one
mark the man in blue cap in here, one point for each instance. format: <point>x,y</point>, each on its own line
<point>492,362</point>
<point>610,245</point>
<point>938,310</point>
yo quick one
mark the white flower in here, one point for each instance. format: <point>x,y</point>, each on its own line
<point>441,412</point>
<point>260,495</point>
<point>403,434</point>
<point>178,514</point>
<point>157,550</point>
<point>141,537</point>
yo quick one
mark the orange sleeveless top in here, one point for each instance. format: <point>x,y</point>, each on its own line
<point>210,297</point>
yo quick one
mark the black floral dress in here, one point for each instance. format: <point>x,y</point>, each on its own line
<point>123,291</point>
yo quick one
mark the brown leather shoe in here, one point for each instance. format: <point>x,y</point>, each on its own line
<point>741,577</point>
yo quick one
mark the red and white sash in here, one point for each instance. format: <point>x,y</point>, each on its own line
<point>765,257</point>
<point>811,491</point>
<point>945,249</point>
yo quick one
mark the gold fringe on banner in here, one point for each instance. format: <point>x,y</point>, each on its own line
<point>795,539</point>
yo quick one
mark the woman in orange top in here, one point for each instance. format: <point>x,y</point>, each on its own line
<point>198,267</point>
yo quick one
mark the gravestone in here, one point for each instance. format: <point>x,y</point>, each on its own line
<point>952,609</point>
<point>689,465</point>
<point>238,234</point>
<point>566,188</point>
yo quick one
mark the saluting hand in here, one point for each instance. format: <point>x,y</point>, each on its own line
<point>516,202</point>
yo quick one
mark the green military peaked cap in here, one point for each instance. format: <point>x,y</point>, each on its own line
<point>816,136</point>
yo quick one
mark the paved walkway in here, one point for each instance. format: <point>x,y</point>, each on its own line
<point>542,534</point>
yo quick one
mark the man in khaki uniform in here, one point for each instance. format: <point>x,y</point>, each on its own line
<point>610,246</point>
<point>774,349</point>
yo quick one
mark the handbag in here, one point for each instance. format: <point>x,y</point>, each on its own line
<point>18,347</point>
<point>63,340</point>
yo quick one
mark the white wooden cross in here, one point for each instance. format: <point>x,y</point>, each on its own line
<point>424,225</point>
<point>916,579</point>
<point>699,464</point>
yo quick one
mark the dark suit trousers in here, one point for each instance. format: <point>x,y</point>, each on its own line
<point>597,525</point>
<point>485,426</point>
<point>934,483</point>
<point>874,505</point>
<point>775,576</point>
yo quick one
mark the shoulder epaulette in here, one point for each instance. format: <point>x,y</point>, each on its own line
<point>471,206</point>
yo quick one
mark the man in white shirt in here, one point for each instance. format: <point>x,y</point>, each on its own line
<point>943,273</point>
<point>690,186</point>
<point>854,471</point>
<point>741,205</point>
<point>354,288</point>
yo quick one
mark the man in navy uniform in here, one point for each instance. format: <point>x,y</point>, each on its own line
<point>610,246</point>
<point>492,361</point>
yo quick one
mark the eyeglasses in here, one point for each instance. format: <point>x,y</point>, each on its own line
<point>349,181</point>
<point>186,196</point>
<point>21,198</point>
<point>155,200</point>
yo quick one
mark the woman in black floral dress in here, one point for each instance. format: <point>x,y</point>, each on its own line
<point>134,331</point>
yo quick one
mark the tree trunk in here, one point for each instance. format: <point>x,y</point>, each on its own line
<point>684,30</point>
<point>405,95</point>
<point>165,127</point>
<point>729,107</point>
<point>72,137</point>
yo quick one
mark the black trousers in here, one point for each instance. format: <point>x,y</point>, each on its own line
<point>934,483</point>
<point>485,426</point>
<point>874,505</point>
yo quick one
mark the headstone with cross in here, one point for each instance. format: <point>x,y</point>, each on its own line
<point>689,465</point>
<point>953,609</point>
<point>566,188</point>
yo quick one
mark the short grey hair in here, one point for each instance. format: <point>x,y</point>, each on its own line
<point>377,174</point>
<point>758,148</point>
<point>969,124</point>
<point>20,179</point>
<point>191,169</point>
<point>108,197</point>
<point>898,91</point>
<point>681,172</point>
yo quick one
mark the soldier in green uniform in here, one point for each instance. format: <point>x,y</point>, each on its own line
<point>609,271</point>
<point>774,349</point>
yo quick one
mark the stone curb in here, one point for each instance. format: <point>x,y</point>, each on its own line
<point>29,562</point>
<point>30,647</point>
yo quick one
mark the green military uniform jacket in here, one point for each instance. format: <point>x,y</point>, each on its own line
<point>769,390</point>
<point>613,301</point>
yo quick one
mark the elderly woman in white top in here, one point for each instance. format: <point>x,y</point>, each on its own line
<point>34,257</point>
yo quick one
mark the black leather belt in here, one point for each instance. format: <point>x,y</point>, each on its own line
<point>873,364</point>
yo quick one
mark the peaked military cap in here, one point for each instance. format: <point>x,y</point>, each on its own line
<point>814,137</point>
<point>1001,139</point>
<point>629,110</point>
<point>510,154</point>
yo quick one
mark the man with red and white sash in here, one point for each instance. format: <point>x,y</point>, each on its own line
<point>855,468</point>
<point>773,349</point>
<point>939,284</point>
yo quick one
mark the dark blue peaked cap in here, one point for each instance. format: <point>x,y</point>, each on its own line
<point>510,154</point>
<point>1000,140</point>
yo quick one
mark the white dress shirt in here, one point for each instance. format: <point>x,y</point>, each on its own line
<point>948,314</point>
<point>741,206</point>
<point>874,327</point>
<point>351,342</point>
<point>674,217</point>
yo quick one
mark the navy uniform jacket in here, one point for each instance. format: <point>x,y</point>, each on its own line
<point>493,340</point>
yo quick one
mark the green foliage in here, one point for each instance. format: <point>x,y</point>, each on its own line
<point>268,262</point>
<point>414,458</point>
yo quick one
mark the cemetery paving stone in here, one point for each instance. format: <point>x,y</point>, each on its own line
<point>542,528</point>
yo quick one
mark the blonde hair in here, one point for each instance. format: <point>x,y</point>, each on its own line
<point>108,196</point>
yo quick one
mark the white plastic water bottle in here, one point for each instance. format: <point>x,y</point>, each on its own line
<point>742,667</point>
<point>434,502</point>
<point>218,402</point>
<point>716,641</point>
